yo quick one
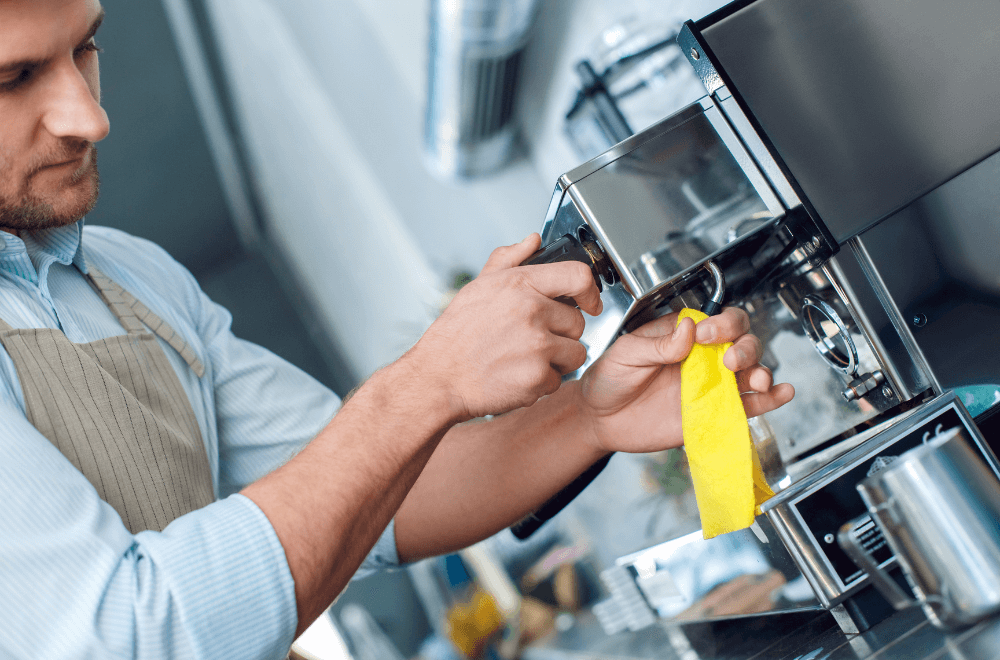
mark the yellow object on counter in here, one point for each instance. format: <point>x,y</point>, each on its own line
<point>728,482</point>
<point>471,625</point>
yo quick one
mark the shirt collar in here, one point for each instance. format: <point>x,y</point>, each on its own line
<point>64,244</point>
<point>60,244</point>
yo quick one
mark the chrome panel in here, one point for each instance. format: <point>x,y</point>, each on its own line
<point>937,260</point>
<point>631,144</point>
<point>696,579</point>
<point>693,181</point>
<point>755,146</point>
<point>869,103</point>
<point>687,182</point>
<point>901,328</point>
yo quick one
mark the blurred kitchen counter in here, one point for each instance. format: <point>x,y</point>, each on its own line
<point>907,635</point>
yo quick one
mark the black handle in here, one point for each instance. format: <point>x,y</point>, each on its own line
<point>567,248</point>
<point>571,248</point>
<point>584,249</point>
<point>530,524</point>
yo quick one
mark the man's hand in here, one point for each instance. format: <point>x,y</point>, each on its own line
<point>633,390</point>
<point>504,342</point>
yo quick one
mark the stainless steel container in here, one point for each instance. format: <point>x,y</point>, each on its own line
<point>938,507</point>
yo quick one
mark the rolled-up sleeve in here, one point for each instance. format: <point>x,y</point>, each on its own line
<point>257,409</point>
<point>267,410</point>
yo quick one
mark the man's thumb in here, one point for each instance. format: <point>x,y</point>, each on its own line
<point>512,255</point>
<point>665,349</point>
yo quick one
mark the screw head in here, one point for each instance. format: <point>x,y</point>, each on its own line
<point>828,538</point>
<point>695,55</point>
<point>920,320</point>
<point>887,392</point>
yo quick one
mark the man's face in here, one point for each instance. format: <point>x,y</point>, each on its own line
<point>50,112</point>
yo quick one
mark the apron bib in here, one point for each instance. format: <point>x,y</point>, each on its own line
<point>117,411</point>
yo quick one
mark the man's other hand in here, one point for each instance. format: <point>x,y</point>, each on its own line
<point>504,341</point>
<point>633,392</point>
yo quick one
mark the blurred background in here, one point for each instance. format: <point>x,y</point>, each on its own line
<point>332,170</point>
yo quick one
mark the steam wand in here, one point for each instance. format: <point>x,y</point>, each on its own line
<point>714,304</point>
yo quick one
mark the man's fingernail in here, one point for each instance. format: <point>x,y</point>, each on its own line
<point>704,333</point>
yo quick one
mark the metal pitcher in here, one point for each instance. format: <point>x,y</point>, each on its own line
<point>938,508</point>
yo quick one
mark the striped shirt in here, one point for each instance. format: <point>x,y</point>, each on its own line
<point>74,583</point>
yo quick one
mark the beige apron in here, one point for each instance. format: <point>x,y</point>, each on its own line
<point>116,409</point>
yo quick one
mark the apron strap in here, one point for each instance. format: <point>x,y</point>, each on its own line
<point>133,314</point>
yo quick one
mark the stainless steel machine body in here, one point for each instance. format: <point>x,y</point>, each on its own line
<point>843,174</point>
<point>685,192</point>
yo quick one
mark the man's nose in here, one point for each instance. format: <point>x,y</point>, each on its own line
<point>73,109</point>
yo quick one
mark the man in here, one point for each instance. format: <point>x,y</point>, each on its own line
<point>152,506</point>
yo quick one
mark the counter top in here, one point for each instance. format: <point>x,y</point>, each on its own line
<point>906,635</point>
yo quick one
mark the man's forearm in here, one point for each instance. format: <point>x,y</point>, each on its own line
<point>486,475</point>
<point>330,503</point>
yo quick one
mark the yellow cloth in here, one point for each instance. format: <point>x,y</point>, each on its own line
<point>728,482</point>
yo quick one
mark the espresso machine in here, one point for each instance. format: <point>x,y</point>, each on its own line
<point>839,182</point>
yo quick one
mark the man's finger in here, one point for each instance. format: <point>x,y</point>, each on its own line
<point>664,325</point>
<point>728,325</point>
<point>743,354</point>
<point>755,379</point>
<point>512,255</point>
<point>569,356</point>
<point>569,279</point>
<point>566,321</point>
<point>758,403</point>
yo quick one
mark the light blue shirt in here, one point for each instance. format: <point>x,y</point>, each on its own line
<point>74,582</point>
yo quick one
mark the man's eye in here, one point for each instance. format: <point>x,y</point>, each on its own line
<point>89,47</point>
<point>18,80</point>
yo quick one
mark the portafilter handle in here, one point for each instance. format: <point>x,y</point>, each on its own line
<point>583,248</point>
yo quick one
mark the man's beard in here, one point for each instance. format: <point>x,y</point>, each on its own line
<point>30,213</point>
